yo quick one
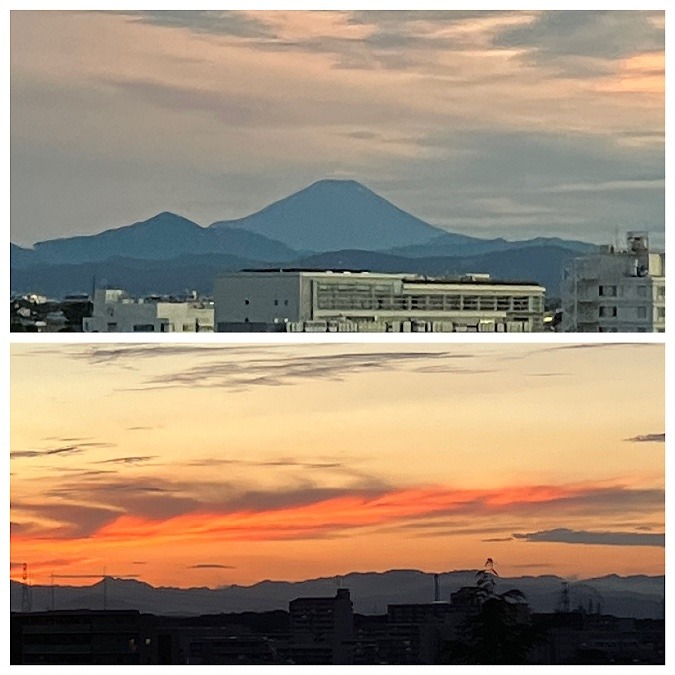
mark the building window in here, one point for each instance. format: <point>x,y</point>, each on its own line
<point>641,312</point>
<point>470,302</point>
<point>660,312</point>
<point>641,329</point>
<point>112,328</point>
<point>286,303</point>
<point>246,320</point>
<point>607,311</point>
<point>144,328</point>
<point>660,292</point>
<point>608,291</point>
<point>642,291</point>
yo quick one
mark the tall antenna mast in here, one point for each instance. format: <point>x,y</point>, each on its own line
<point>52,603</point>
<point>26,599</point>
<point>105,588</point>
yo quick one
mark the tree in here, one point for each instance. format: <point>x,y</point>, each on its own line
<point>498,632</point>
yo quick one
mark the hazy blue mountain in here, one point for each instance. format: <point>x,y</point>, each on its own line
<point>18,256</point>
<point>336,214</point>
<point>161,237</point>
<point>461,245</point>
<point>542,264</point>
<point>138,277</point>
<point>371,592</point>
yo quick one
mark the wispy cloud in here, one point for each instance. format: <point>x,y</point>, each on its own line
<point>210,566</point>
<point>291,369</point>
<point>565,536</point>
<point>65,450</point>
<point>134,459</point>
<point>648,438</point>
<point>610,186</point>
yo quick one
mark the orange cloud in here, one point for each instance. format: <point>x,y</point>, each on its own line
<point>339,514</point>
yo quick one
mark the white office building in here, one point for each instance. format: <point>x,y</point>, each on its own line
<point>299,300</point>
<point>616,290</point>
<point>116,312</point>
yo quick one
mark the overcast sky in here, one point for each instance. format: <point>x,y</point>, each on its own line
<point>513,124</point>
<point>231,464</point>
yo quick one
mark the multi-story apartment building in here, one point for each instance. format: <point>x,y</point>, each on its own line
<point>321,629</point>
<point>616,290</point>
<point>116,312</point>
<point>357,301</point>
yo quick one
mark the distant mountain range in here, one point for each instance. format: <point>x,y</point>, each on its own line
<point>634,596</point>
<point>328,224</point>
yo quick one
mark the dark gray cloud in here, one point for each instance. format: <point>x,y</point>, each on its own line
<point>648,438</point>
<point>241,374</point>
<point>137,459</point>
<point>96,576</point>
<point>230,23</point>
<point>263,500</point>
<point>281,462</point>
<point>64,450</point>
<point>548,374</point>
<point>565,536</point>
<point>210,566</point>
<point>75,520</point>
<point>603,36</point>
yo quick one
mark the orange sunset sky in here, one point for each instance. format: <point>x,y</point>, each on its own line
<point>190,465</point>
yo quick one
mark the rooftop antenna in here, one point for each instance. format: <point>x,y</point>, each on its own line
<point>26,598</point>
<point>52,603</point>
<point>437,588</point>
<point>105,588</point>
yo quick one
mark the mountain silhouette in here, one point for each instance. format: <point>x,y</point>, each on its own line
<point>336,214</point>
<point>639,597</point>
<point>161,237</point>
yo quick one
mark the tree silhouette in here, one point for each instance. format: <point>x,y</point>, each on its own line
<point>498,632</point>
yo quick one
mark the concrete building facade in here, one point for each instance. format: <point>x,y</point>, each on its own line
<point>298,300</point>
<point>114,311</point>
<point>616,290</point>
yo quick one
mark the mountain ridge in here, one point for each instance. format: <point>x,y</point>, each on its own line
<point>641,597</point>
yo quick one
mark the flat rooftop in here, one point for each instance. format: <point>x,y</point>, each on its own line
<point>410,278</point>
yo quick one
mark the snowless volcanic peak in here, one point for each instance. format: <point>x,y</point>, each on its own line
<point>336,214</point>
